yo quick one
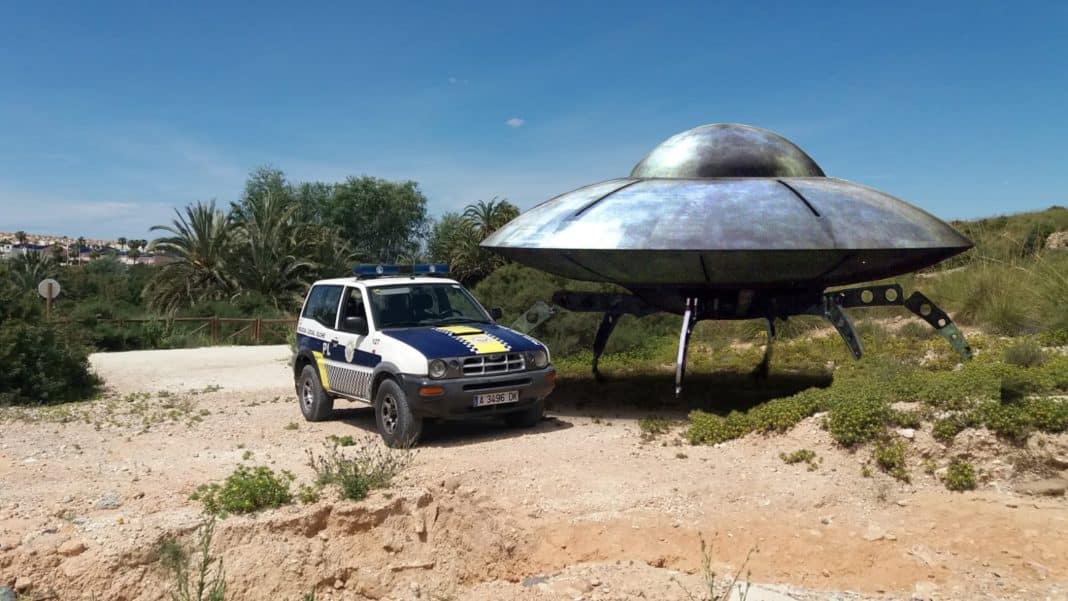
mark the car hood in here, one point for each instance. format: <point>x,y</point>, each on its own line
<point>463,340</point>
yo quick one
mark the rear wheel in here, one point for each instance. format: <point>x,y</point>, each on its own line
<point>315,404</point>
<point>397,425</point>
<point>527,418</point>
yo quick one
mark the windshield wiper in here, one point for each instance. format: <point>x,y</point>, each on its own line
<point>461,320</point>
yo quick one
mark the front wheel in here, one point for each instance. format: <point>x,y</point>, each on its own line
<point>527,418</point>
<point>315,404</point>
<point>397,425</point>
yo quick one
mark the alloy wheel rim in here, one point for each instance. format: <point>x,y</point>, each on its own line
<point>389,414</point>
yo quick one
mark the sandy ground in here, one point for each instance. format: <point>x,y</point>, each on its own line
<point>578,507</point>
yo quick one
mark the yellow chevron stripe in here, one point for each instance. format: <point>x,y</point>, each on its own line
<point>459,330</point>
<point>484,343</point>
<point>475,339</point>
<point>321,363</point>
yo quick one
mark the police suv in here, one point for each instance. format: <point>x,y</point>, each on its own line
<point>414,346</point>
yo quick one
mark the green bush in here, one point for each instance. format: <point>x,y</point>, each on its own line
<point>42,363</point>
<point>247,490</point>
<point>889,455</point>
<point>1025,353</point>
<point>960,476</point>
<point>858,421</point>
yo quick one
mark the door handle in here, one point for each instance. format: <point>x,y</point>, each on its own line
<point>334,342</point>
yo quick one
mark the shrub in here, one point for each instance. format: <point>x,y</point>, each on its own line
<point>1025,353</point>
<point>1054,337</point>
<point>372,467</point>
<point>247,490</point>
<point>42,363</point>
<point>651,427</point>
<point>960,476</point>
<point>709,428</point>
<point>341,441</point>
<point>806,455</point>
<point>858,421</point>
<point>947,428</point>
<point>890,456</point>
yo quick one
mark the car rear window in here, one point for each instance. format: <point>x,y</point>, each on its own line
<point>322,304</point>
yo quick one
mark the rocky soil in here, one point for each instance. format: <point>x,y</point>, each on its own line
<point>579,507</point>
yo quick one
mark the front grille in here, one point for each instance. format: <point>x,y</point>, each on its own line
<point>497,363</point>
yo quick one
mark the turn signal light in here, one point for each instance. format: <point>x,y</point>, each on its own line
<point>431,391</point>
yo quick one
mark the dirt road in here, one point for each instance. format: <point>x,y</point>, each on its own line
<point>578,507</point>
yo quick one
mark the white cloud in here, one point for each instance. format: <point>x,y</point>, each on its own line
<point>515,122</point>
<point>453,80</point>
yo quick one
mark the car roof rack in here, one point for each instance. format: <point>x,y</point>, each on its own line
<point>370,271</point>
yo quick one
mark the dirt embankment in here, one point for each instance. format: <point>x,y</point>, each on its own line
<point>580,506</point>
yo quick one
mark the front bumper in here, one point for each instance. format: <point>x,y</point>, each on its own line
<point>459,393</point>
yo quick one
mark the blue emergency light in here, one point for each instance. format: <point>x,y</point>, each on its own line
<point>375,271</point>
<point>431,268</point>
<point>380,270</point>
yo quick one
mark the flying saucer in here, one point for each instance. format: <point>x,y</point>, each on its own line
<point>727,205</point>
<point>730,221</point>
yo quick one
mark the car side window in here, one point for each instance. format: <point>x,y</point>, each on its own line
<point>353,305</point>
<point>322,305</point>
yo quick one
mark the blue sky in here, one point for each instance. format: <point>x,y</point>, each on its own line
<point>112,114</point>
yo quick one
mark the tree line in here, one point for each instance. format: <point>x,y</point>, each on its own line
<point>280,236</point>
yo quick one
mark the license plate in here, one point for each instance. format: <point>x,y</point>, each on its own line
<point>496,398</point>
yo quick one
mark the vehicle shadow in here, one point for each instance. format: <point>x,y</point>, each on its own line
<point>640,395</point>
<point>453,433</point>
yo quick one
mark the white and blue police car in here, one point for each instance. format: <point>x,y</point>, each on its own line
<point>414,346</point>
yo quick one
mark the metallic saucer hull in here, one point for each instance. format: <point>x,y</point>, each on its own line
<point>715,233</point>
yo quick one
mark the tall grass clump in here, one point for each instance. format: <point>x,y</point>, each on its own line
<point>198,575</point>
<point>363,468</point>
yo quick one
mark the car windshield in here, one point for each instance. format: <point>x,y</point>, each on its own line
<point>407,305</point>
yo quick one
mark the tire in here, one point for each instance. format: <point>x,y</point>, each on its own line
<point>315,404</point>
<point>397,425</point>
<point>527,418</point>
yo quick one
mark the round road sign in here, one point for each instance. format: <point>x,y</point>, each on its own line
<point>48,288</point>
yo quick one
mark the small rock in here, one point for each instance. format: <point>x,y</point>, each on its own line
<point>908,433</point>
<point>339,583</point>
<point>1040,570</point>
<point>1050,487</point>
<point>23,584</point>
<point>923,591</point>
<point>72,548</point>
<point>874,533</point>
<point>530,581</point>
<point>109,501</point>
<point>451,483</point>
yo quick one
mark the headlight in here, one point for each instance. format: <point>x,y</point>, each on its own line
<point>437,368</point>
<point>537,359</point>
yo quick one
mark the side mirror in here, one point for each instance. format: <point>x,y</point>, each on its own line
<point>356,325</point>
<point>496,313</point>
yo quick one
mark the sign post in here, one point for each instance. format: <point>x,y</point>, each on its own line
<point>49,290</point>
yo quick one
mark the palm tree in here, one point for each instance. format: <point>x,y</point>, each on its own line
<point>21,237</point>
<point>27,270</point>
<point>122,243</point>
<point>198,244</point>
<point>487,217</point>
<point>270,249</point>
